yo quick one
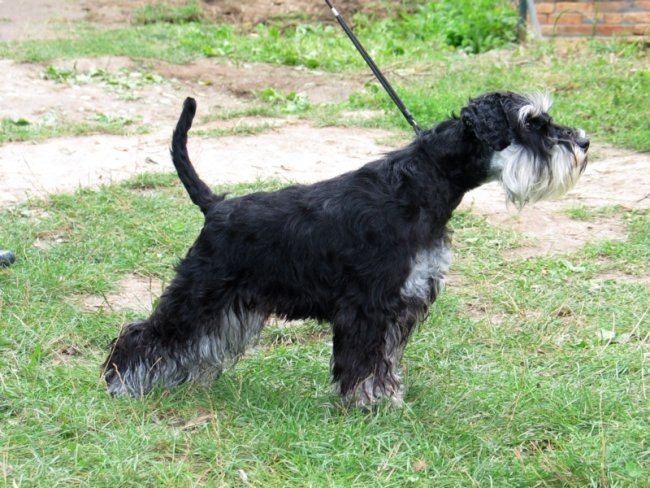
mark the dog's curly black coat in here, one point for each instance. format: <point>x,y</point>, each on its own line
<point>365,251</point>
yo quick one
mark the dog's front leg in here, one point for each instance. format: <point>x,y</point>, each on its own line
<point>366,356</point>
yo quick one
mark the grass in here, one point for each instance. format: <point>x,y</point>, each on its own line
<point>238,130</point>
<point>512,381</point>
<point>15,130</point>
<point>171,14</point>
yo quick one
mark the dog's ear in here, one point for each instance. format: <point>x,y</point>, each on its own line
<point>486,117</point>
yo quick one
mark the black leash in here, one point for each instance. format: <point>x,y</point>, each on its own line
<point>384,82</point>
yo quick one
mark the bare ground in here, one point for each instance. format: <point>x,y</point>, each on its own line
<point>118,12</point>
<point>292,150</point>
<point>37,19</point>
<point>134,292</point>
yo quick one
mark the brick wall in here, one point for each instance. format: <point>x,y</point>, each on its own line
<point>599,18</point>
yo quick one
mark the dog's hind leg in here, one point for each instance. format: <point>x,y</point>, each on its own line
<point>168,349</point>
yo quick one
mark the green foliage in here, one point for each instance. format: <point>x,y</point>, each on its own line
<point>288,103</point>
<point>472,26</point>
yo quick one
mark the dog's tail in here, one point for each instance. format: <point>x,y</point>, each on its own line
<point>199,192</point>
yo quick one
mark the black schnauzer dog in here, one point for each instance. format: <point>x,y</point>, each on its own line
<point>365,251</point>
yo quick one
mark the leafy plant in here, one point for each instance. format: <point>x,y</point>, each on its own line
<point>289,103</point>
<point>472,26</point>
<point>123,81</point>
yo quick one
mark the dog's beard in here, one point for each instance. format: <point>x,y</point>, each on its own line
<point>526,178</point>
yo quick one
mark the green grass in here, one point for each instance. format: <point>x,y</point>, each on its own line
<point>238,130</point>
<point>164,13</point>
<point>511,381</point>
<point>15,130</point>
<point>589,213</point>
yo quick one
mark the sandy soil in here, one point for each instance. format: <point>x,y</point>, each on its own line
<point>292,150</point>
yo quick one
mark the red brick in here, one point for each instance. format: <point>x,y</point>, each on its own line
<point>636,17</point>
<point>545,8</point>
<point>612,6</point>
<point>643,5</point>
<point>547,30</point>
<point>574,6</point>
<point>568,18</point>
<point>624,18</point>
<point>609,29</point>
<point>641,30</point>
<point>543,18</point>
<point>609,18</point>
<point>584,30</point>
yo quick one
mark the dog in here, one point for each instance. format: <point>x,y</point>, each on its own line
<point>365,251</point>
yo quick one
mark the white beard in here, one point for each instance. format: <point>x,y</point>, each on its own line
<point>524,183</point>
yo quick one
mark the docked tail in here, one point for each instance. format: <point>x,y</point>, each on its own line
<point>199,192</point>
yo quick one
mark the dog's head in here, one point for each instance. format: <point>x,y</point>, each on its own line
<point>532,156</point>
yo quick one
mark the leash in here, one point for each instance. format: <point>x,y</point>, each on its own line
<point>378,74</point>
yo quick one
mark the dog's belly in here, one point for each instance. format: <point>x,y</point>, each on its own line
<point>428,268</point>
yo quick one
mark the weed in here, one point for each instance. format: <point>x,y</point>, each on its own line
<point>289,103</point>
<point>123,82</point>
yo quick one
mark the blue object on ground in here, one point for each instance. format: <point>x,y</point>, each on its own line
<point>7,258</point>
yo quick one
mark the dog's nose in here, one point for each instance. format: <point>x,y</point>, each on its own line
<point>583,143</point>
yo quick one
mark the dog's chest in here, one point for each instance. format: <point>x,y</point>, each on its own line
<point>428,268</point>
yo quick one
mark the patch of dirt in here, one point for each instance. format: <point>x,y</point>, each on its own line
<point>116,12</point>
<point>296,152</point>
<point>246,80</point>
<point>37,19</point>
<point>217,86</point>
<point>27,95</point>
<point>65,355</point>
<point>64,164</point>
<point>134,292</point>
<point>47,240</point>
<point>478,311</point>
<point>623,278</point>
